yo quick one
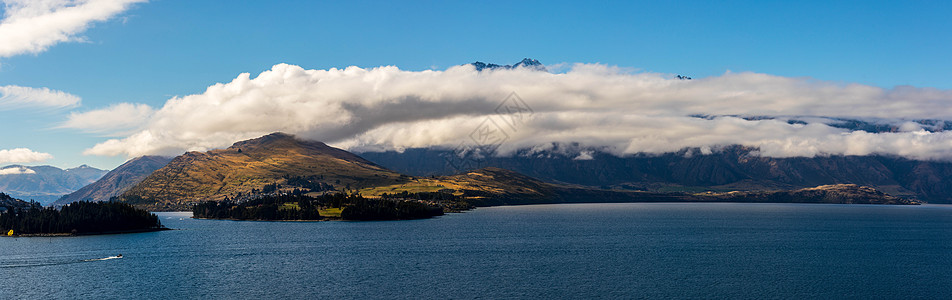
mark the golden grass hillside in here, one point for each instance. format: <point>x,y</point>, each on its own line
<point>249,166</point>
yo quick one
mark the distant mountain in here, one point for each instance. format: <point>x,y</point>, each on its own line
<point>869,125</point>
<point>116,181</point>
<point>527,63</point>
<point>270,163</point>
<point>494,186</point>
<point>45,184</point>
<point>733,168</point>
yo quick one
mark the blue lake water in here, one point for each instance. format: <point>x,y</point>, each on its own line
<point>636,250</point>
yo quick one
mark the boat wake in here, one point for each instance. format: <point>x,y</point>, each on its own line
<point>37,263</point>
<point>104,258</point>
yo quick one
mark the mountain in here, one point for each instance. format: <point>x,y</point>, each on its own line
<point>268,164</point>
<point>116,181</point>
<point>730,169</point>
<point>527,63</point>
<point>45,184</point>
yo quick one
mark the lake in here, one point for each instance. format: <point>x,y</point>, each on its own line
<point>632,250</point>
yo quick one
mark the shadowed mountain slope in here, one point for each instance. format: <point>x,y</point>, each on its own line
<point>116,181</point>
<point>732,168</point>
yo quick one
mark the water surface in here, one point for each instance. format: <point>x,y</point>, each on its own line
<point>634,250</point>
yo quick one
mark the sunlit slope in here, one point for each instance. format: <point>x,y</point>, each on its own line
<point>248,166</point>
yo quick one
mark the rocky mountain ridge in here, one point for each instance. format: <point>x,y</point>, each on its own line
<point>527,63</point>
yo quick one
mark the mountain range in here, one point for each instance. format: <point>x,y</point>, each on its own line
<point>281,163</point>
<point>730,169</point>
<point>45,184</point>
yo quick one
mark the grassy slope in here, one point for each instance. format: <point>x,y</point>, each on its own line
<point>217,174</point>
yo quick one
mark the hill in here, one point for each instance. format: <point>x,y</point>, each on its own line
<point>116,181</point>
<point>6,201</point>
<point>835,193</point>
<point>45,184</point>
<point>252,168</point>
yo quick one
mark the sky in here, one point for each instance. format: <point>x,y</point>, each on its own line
<point>100,81</point>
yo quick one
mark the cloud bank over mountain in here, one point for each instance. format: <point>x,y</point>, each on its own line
<point>16,170</point>
<point>597,106</point>
<point>32,26</point>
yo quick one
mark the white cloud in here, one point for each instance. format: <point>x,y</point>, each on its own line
<point>594,105</point>
<point>585,155</point>
<point>12,96</point>
<point>22,155</point>
<point>32,26</point>
<point>16,171</point>
<point>115,119</point>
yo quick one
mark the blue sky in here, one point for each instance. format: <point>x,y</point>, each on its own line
<point>153,51</point>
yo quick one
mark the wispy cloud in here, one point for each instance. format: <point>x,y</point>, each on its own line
<point>116,119</point>
<point>12,96</point>
<point>32,26</point>
<point>597,106</point>
<point>22,155</point>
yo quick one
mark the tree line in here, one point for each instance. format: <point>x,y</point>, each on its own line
<point>363,209</point>
<point>293,206</point>
<point>78,218</point>
<point>297,206</point>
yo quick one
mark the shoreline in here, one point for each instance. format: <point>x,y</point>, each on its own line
<point>88,233</point>
<point>257,220</point>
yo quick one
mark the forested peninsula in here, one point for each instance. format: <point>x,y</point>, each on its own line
<point>79,218</point>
